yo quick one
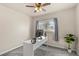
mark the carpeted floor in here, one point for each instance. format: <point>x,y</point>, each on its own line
<point>42,51</point>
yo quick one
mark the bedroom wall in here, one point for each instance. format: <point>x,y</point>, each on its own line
<point>14,29</point>
<point>77,26</point>
<point>66,24</point>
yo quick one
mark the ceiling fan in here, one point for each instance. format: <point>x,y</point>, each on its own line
<point>39,6</point>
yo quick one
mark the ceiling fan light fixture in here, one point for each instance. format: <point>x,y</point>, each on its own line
<point>38,9</point>
<point>38,6</point>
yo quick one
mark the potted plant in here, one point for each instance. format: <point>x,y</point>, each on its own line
<point>69,39</point>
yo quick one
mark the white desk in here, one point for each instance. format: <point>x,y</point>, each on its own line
<point>29,48</point>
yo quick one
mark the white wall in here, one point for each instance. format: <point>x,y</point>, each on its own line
<point>14,28</point>
<point>77,26</point>
<point>66,24</point>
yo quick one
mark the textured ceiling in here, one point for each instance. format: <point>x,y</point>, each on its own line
<point>20,7</point>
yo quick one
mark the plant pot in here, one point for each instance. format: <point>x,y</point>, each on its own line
<point>69,50</point>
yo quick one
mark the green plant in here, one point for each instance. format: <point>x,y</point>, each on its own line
<point>69,38</point>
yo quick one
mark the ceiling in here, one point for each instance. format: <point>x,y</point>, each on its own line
<point>20,7</point>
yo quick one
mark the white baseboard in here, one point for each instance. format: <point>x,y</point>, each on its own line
<point>58,46</point>
<point>11,49</point>
<point>54,45</point>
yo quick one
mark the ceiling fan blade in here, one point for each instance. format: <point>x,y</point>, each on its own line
<point>29,6</point>
<point>43,9</point>
<point>46,4</point>
<point>35,11</point>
